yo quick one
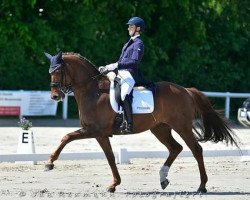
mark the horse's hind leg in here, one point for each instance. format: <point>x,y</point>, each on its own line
<point>188,136</point>
<point>163,134</point>
<point>105,144</point>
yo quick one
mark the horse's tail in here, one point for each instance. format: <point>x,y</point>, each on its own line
<point>213,127</point>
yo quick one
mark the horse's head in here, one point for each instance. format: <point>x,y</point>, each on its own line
<point>68,71</point>
<point>58,84</point>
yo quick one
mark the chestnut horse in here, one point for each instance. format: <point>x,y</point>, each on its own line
<point>175,109</point>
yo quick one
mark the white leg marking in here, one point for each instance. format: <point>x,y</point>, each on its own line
<point>163,173</point>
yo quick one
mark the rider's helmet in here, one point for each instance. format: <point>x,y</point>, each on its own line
<point>137,21</point>
<point>244,113</point>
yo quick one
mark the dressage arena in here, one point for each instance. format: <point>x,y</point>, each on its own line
<point>228,176</point>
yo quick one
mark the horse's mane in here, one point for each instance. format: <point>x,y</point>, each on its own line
<point>82,58</point>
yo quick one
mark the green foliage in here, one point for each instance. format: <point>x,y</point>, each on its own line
<point>204,44</point>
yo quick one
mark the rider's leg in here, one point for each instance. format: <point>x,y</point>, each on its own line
<point>127,84</point>
<point>128,115</point>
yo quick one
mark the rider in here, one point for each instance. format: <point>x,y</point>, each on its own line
<point>131,55</point>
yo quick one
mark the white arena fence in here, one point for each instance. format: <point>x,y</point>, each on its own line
<point>226,95</point>
<point>41,103</point>
<point>123,156</point>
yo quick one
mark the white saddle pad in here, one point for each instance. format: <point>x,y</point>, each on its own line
<point>143,100</point>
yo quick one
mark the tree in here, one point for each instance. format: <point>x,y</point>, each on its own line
<point>204,44</point>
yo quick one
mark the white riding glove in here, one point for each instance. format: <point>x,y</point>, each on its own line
<point>102,69</point>
<point>109,67</point>
<point>112,66</point>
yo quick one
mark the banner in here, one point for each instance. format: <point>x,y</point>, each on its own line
<point>27,103</point>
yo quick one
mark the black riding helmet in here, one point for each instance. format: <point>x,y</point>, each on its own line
<point>137,21</point>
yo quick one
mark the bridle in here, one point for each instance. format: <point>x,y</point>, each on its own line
<point>61,85</point>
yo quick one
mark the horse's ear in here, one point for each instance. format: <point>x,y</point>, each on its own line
<point>60,53</point>
<point>48,55</point>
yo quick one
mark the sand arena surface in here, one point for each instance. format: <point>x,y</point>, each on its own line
<point>228,177</point>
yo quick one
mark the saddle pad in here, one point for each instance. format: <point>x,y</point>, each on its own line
<point>143,101</point>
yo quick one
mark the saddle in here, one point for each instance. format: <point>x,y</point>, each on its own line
<point>142,98</point>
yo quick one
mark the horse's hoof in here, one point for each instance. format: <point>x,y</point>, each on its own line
<point>111,189</point>
<point>48,167</point>
<point>202,190</point>
<point>164,184</point>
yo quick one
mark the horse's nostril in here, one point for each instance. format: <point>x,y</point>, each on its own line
<point>55,97</point>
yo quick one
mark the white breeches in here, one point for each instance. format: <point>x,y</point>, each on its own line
<point>127,83</point>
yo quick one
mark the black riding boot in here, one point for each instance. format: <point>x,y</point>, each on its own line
<point>127,106</point>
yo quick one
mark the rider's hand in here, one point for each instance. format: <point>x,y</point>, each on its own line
<point>102,69</point>
<point>111,67</point>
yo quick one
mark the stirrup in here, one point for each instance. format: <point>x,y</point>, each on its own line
<point>127,130</point>
<point>123,125</point>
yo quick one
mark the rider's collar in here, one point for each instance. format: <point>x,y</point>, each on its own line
<point>135,36</point>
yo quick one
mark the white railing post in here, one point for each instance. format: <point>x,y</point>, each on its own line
<point>65,107</point>
<point>123,157</point>
<point>227,106</point>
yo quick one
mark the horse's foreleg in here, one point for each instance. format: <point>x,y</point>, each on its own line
<point>163,134</point>
<point>79,134</point>
<point>105,145</point>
